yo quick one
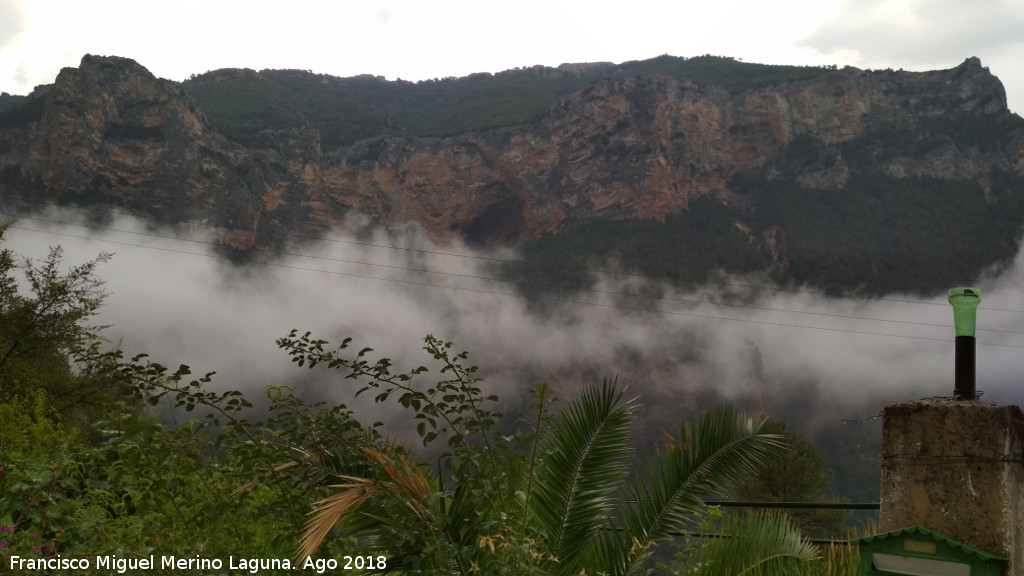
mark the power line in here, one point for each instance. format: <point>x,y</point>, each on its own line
<point>501,293</point>
<point>614,272</point>
<point>796,505</point>
<point>513,282</point>
<point>494,259</point>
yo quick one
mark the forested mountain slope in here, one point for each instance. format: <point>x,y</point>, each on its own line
<point>847,179</point>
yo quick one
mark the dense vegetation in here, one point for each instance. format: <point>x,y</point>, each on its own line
<point>886,235</point>
<point>685,250</point>
<point>799,477</point>
<point>555,496</point>
<point>10,102</point>
<point>878,235</point>
<point>240,103</point>
<point>18,110</point>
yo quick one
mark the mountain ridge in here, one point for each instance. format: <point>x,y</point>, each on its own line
<point>620,149</point>
<point>439,107</point>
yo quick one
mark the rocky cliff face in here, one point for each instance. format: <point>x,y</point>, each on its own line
<point>110,133</point>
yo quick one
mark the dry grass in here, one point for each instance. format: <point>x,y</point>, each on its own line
<point>843,559</point>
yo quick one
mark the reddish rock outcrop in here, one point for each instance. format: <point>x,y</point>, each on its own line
<point>110,133</point>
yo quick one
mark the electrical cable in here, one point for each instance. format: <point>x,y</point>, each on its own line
<point>513,294</point>
<point>506,281</point>
<point>308,237</point>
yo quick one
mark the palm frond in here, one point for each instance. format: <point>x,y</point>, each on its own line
<point>582,461</point>
<point>410,480</point>
<point>709,456</point>
<point>407,482</point>
<point>759,544</point>
<point>327,512</point>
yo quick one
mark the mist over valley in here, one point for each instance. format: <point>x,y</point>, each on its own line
<point>818,361</point>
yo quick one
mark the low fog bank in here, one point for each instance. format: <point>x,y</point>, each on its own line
<point>826,365</point>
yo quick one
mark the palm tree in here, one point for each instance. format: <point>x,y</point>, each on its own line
<point>763,543</point>
<point>559,501</point>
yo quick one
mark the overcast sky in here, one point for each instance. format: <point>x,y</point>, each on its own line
<point>416,40</point>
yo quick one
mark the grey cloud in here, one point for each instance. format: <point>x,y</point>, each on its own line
<point>12,22</point>
<point>937,32</point>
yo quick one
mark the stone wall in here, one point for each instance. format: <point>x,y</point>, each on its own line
<point>956,468</point>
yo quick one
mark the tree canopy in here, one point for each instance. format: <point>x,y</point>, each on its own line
<point>800,476</point>
<point>45,331</point>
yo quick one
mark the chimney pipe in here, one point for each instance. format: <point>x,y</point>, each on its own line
<point>965,306</point>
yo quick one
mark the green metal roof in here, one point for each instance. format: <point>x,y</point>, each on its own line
<point>934,536</point>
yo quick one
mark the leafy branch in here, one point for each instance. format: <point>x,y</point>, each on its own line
<point>451,407</point>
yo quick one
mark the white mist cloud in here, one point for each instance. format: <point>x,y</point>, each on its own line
<point>800,355</point>
<point>12,23</point>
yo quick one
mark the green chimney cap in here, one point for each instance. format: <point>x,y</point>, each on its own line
<point>965,306</point>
